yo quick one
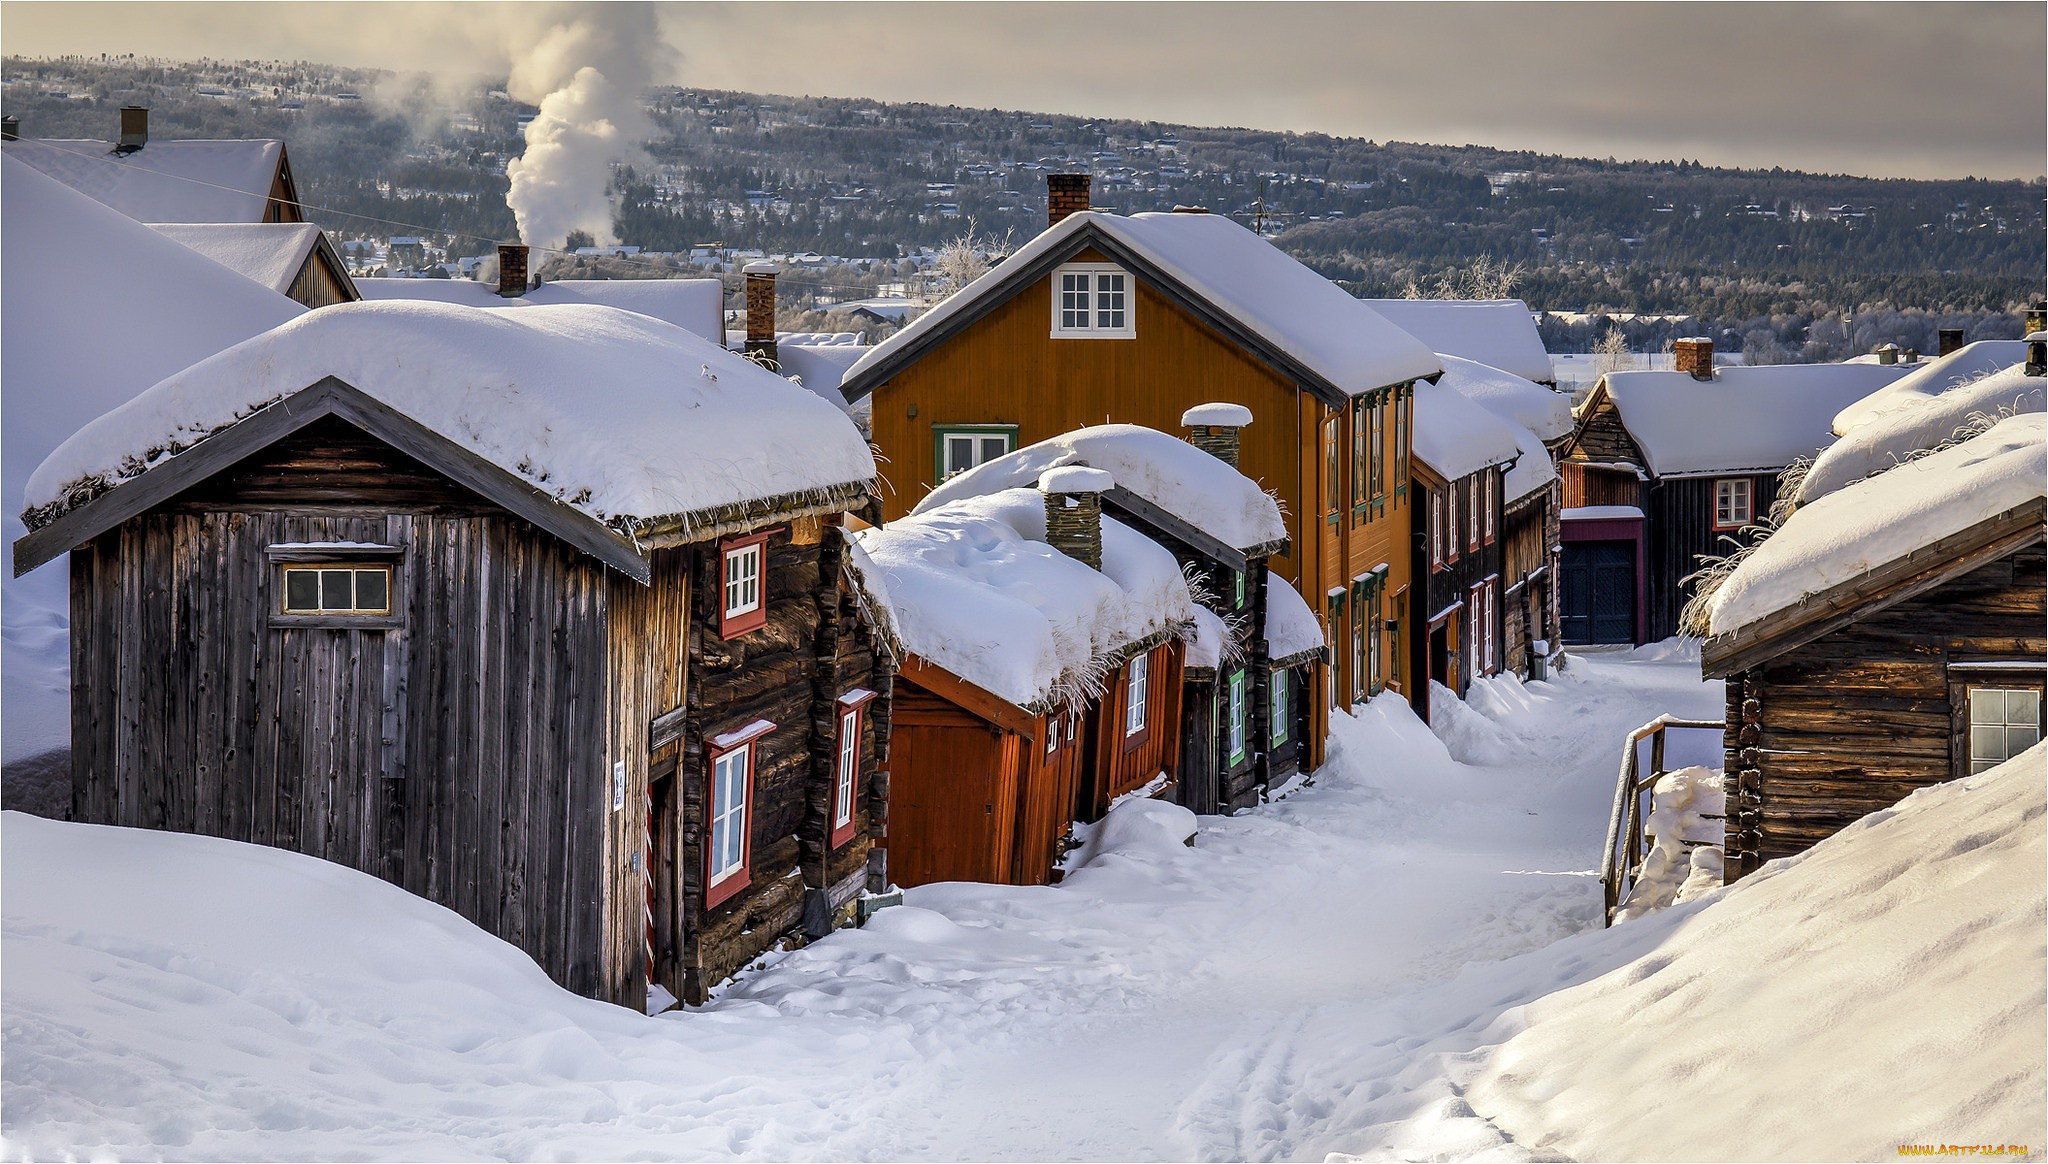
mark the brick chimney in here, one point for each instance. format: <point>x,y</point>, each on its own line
<point>1064,195</point>
<point>1212,428</point>
<point>10,128</point>
<point>760,310</point>
<point>511,270</point>
<point>1950,339</point>
<point>1073,511</point>
<point>1694,356</point>
<point>134,128</point>
<point>1888,353</point>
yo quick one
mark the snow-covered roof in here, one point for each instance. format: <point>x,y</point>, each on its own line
<point>1456,437</point>
<point>1207,641</point>
<point>1844,535</point>
<point>1499,333</point>
<point>1543,411</point>
<point>1932,378</point>
<point>164,181</point>
<point>97,307</point>
<point>1744,419</point>
<point>619,416</point>
<point>1164,470</point>
<point>695,305</point>
<point>819,367</point>
<point>1532,473</point>
<point>271,253</point>
<point>972,587</point>
<point>1923,422</point>
<point>1295,311</point>
<point>1292,629</point>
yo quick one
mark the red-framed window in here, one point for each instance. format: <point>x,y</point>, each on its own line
<point>846,764</point>
<point>1492,501</point>
<point>743,583</point>
<point>729,813</point>
<point>1472,508</point>
<point>1451,521</point>
<point>1734,502</point>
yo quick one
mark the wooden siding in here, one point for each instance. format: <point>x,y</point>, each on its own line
<point>1124,763</point>
<point>318,284</point>
<point>1601,438</point>
<point>1451,584</point>
<point>1529,577</point>
<point>1583,486</point>
<point>1680,532</point>
<point>1845,725</point>
<point>194,711</point>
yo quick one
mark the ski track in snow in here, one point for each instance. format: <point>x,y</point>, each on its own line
<point>1315,976</point>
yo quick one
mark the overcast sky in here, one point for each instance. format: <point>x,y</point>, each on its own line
<point>1888,90</point>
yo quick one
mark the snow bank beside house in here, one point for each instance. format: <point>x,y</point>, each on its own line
<point>613,413</point>
<point>1932,378</point>
<point>1883,989</point>
<point>1844,534</point>
<point>1919,422</point>
<point>1684,807</point>
<point>1163,469</point>
<point>972,586</point>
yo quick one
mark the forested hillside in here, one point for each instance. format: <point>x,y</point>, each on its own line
<point>1765,255</point>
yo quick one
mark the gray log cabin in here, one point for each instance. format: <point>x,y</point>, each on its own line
<point>537,613</point>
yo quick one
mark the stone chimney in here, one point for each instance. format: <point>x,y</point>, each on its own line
<point>134,128</point>
<point>1212,428</point>
<point>1694,356</point>
<point>760,343</point>
<point>1064,195</point>
<point>1073,511</point>
<point>1951,338</point>
<point>1888,353</point>
<point>1910,356</point>
<point>511,270</point>
<point>2037,317</point>
<point>10,128</point>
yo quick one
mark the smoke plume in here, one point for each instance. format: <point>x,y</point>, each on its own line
<point>587,67</point>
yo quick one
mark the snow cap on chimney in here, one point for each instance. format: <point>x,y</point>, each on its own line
<point>1212,428</point>
<point>1073,511</point>
<point>1694,355</point>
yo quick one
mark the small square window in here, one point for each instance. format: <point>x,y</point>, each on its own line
<point>1092,301</point>
<point>2004,721</point>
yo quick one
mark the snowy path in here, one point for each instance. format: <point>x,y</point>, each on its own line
<point>1180,1000</point>
<point>1310,978</point>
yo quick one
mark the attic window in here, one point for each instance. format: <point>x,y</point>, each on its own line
<point>335,584</point>
<point>1092,301</point>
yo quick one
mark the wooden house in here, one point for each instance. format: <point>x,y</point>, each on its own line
<point>245,180</point>
<point>1541,420</point>
<point>526,612</point>
<point>1886,637</point>
<point>1241,707</point>
<point>294,259</point>
<point>1664,469</point>
<point>1039,682</point>
<point>1105,318</point>
<point>1461,453</point>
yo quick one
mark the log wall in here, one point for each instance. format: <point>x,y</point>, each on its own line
<point>1843,726</point>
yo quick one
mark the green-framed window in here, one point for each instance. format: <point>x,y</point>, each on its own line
<point>957,448</point>
<point>1277,704</point>
<point>1237,718</point>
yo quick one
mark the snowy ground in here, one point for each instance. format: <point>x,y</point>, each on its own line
<point>1328,974</point>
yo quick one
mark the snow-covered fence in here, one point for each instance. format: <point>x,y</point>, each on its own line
<point>1622,857</point>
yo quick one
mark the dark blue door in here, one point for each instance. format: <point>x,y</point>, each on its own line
<point>1599,592</point>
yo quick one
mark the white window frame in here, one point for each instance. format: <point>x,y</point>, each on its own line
<point>1450,521</point>
<point>980,440</point>
<point>1237,717</point>
<point>1095,282</point>
<point>729,811</point>
<point>1727,492</point>
<point>1436,529</point>
<point>1277,685</point>
<point>1492,491</point>
<point>2005,726</point>
<point>747,583</point>
<point>849,767</point>
<point>1137,686</point>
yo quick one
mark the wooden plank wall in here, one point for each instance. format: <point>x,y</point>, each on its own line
<point>1856,719</point>
<point>1122,765</point>
<point>953,793</point>
<point>386,750</point>
<point>848,658</point>
<point>1681,531</point>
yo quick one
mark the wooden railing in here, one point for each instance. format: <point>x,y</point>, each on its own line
<point>1622,859</point>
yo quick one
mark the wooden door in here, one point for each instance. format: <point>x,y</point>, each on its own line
<point>1599,592</point>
